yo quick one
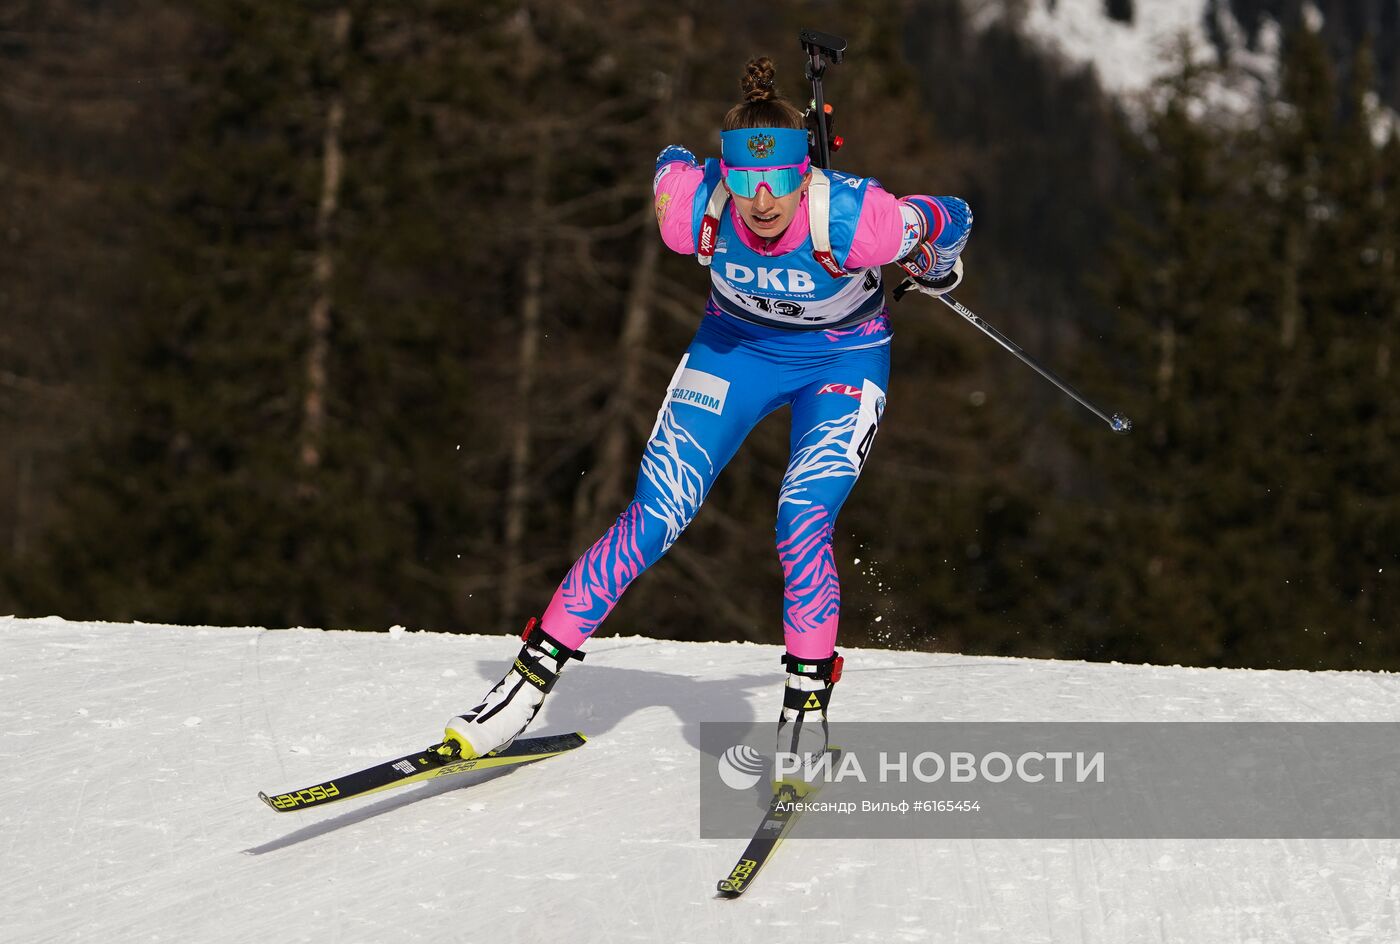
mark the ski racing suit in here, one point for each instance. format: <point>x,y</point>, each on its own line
<point>779,329</point>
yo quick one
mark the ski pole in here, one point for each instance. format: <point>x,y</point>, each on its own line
<point>1116,422</point>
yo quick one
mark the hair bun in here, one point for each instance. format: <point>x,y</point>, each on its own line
<point>757,82</point>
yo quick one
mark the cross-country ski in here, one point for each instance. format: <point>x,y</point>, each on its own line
<point>425,765</point>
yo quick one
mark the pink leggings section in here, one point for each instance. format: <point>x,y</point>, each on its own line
<point>597,580</point>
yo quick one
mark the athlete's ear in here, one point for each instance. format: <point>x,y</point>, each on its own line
<point>806,179</point>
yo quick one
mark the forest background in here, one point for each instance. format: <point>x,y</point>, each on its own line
<point>351,314</point>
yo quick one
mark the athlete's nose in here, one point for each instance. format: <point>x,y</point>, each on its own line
<point>763,200</point>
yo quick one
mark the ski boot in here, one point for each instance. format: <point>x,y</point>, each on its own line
<point>802,727</point>
<point>509,708</point>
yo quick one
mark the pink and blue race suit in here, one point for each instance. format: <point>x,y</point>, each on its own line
<point>779,330</point>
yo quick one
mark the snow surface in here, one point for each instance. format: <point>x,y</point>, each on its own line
<point>1131,59</point>
<point>133,754</point>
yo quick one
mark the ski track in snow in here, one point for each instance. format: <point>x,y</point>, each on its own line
<point>133,754</point>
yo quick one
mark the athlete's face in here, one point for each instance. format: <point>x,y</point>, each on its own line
<point>766,214</point>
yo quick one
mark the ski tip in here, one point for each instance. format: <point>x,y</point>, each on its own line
<point>581,736</point>
<point>726,891</point>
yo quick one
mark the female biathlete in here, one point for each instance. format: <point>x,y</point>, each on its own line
<point>796,316</point>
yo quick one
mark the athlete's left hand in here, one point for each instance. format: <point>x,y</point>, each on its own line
<point>935,287</point>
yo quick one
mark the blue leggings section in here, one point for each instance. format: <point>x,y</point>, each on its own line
<point>731,377</point>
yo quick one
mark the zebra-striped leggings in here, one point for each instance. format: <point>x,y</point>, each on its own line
<point>733,375</point>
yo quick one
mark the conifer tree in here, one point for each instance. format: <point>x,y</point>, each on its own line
<point>1181,340</point>
<point>1257,485</point>
<point>243,476</point>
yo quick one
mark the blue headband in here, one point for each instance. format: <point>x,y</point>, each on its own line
<point>763,147</point>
